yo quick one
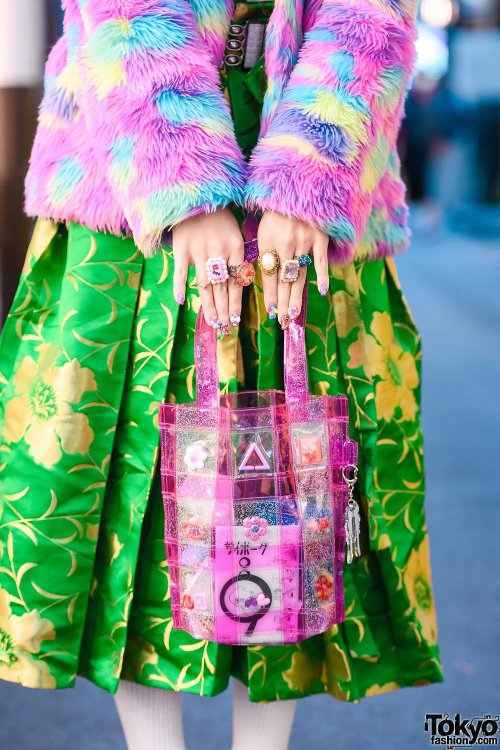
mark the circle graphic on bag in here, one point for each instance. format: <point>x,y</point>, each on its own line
<point>246,598</point>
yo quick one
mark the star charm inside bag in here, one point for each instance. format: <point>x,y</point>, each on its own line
<point>259,506</point>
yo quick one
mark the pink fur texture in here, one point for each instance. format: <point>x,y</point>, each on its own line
<point>135,134</point>
<point>325,158</point>
<point>134,129</point>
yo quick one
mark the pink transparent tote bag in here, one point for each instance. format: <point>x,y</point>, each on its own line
<point>257,490</point>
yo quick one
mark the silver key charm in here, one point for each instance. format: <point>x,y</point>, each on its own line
<point>352,522</point>
<point>352,526</point>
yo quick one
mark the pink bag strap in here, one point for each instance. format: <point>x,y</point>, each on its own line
<point>294,356</point>
<point>205,360</point>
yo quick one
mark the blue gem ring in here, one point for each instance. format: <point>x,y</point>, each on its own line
<point>304,260</point>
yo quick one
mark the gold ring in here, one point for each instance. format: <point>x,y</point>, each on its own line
<point>201,284</point>
<point>269,261</point>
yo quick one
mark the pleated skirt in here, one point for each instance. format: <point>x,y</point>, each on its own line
<point>92,343</point>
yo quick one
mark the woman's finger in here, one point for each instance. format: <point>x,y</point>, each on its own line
<point>220,295</point>
<point>285,252</point>
<point>270,289</point>
<point>296,293</point>
<point>297,287</point>
<point>181,262</point>
<point>235,295</point>
<point>206,294</point>
<point>235,254</point>
<point>269,278</point>
<point>235,291</point>
<point>320,252</point>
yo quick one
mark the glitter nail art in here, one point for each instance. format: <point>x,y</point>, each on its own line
<point>214,322</point>
<point>293,312</point>
<point>224,328</point>
<point>180,299</point>
<point>323,289</point>
<point>285,321</point>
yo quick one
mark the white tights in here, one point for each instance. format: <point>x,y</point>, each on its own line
<point>266,726</point>
<point>152,719</point>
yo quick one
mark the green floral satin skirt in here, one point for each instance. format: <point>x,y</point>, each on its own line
<point>92,343</point>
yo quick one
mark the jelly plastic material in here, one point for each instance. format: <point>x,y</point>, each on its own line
<point>254,503</point>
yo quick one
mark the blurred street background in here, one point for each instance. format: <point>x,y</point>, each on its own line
<point>450,146</point>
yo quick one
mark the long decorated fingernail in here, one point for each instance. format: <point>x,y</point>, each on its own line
<point>273,311</point>
<point>180,298</point>
<point>214,321</point>
<point>234,319</point>
<point>293,313</point>
<point>224,328</point>
<point>323,289</point>
<point>285,321</point>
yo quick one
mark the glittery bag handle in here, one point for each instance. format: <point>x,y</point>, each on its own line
<point>205,360</point>
<point>294,356</point>
<point>294,365</point>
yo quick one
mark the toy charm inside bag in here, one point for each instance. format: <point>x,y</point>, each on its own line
<point>259,506</point>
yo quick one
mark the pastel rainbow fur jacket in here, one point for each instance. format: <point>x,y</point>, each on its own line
<point>135,134</point>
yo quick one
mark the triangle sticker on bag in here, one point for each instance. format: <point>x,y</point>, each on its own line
<point>254,459</point>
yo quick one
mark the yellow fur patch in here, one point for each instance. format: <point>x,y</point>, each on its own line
<point>302,146</point>
<point>107,77</point>
<point>332,108</point>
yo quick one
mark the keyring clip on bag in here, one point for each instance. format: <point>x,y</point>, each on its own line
<point>259,505</point>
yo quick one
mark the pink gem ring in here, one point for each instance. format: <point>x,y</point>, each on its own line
<point>243,274</point>
<point>217,270</point>
<point>269,261</point>
<point>290,270</point>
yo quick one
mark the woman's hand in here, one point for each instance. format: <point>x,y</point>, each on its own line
<point>195,240</point>
<point>291,238</point>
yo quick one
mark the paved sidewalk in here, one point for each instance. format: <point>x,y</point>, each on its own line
<point>452,285</point>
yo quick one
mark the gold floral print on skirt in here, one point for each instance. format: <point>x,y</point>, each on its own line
<point>93,342</point>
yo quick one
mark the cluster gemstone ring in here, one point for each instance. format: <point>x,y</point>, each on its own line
<point>304,260</point>
<point>290,270</point>
<point>243,274</point>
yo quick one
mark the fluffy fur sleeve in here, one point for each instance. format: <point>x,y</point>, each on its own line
<point>331,137</point>
<point>155,111</point>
